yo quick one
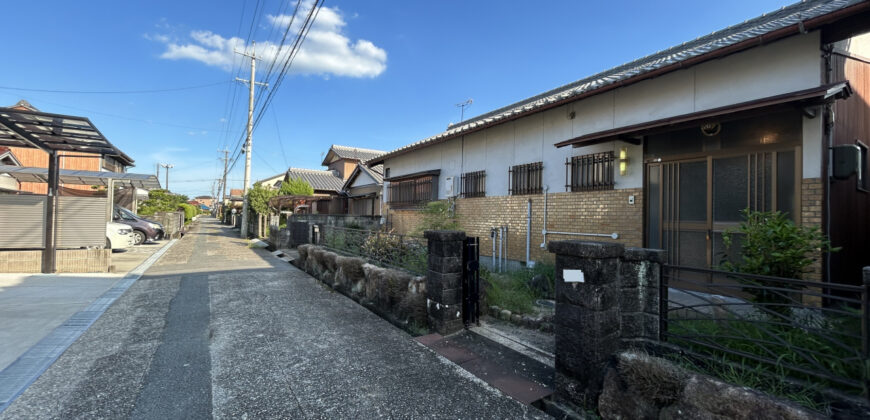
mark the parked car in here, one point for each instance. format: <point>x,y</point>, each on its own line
<point>143,229</point>
<point>119,236</point>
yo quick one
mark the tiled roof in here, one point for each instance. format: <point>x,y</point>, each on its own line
<point>279,177</point>
<point>350,152</point>
<point>376,172</point>
<point>319,180</point>
<point>237,192</point>
<point>792,15</point>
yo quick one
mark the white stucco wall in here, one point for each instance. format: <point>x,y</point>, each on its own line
<point>785,66</point>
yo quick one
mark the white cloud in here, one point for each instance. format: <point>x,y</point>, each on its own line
<point>327,51</point>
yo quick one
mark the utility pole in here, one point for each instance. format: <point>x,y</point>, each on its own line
<point>168,166</point>
<point>251,84</point>
<point>222,192</point>
<point>158,171</point>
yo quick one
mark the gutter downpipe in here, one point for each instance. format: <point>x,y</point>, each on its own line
<point>492,235</point>
<point>529,262</point>
<point>544,231</point>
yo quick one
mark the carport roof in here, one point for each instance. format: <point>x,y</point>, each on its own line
<point>75,177</point>
<point>26,128</point>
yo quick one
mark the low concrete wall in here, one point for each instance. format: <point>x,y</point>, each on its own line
<point>339,220</point>
<point>395,295</point>
<point>173,222</point>
<point>68,261</point>
<point>644,387</point>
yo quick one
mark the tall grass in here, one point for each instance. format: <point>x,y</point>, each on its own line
<point>511,290</point>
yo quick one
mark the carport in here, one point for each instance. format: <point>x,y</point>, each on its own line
<point>54,133</point>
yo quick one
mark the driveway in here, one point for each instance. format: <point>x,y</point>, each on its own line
<point>216,329</point>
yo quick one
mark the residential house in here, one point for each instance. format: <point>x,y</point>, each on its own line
<point>364,190</point>
<point>7,183</point>
<point>344,159</point>
<point>327,187</point>
<point>665,151</point>
<point>205,200</point>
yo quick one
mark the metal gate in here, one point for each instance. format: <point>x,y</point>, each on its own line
<point>471,281</point>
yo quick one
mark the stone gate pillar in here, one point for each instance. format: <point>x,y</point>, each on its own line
<point>444,280</point>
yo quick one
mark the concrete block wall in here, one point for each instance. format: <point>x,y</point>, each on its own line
<point>588,212</point>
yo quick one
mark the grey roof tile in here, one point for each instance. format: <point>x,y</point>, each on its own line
<point>766,23</point>
<point>319,180</point>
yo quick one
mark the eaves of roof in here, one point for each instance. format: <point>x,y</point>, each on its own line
<point>790,20</point>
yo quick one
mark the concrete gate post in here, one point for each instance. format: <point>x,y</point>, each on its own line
<point>587,317</point>
<point>444,280</point>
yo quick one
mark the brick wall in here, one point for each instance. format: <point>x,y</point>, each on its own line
<point>403,221</point>
<point>587,212</point>
<point>811,215</point>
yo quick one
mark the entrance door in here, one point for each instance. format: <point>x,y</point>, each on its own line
<point>692,202</point>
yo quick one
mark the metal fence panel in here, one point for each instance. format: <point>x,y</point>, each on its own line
<point>22,221</point>
<point>81,222</point>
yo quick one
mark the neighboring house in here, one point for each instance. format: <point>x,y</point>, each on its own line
<point>205,200</point>
<point>364,190</point>
<point>344,159</point>
<point>326,184</point>
<point>7,183</point>
<point>666,150</point>
<point>35,158</point>
<point>273,182</point>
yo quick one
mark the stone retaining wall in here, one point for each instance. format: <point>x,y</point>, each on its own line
<point>393,294</point>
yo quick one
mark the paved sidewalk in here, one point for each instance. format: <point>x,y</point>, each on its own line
<point>217,329</point>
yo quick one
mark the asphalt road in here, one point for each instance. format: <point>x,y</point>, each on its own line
<point>216,329</point>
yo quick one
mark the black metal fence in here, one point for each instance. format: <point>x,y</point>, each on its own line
<point>805,334</point>
<point>409,253</point>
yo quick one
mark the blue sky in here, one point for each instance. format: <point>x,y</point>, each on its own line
<point>372,74</point>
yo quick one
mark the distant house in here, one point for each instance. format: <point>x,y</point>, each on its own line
<point>205,200</point>
<point>344,159</point>
<point>7,183</point>
<point>272,182</point>
<point>326,185</point>
<point>665,151</point>
<point>35,158</point>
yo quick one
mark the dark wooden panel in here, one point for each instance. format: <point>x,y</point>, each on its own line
<point>850,207</point>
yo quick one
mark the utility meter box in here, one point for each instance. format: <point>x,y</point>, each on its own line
<point>449,188</point>
<point>847,161</point>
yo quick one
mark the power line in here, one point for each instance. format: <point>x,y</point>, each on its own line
<point>114,92</point>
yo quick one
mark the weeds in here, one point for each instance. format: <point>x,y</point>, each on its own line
<point>512,291</point>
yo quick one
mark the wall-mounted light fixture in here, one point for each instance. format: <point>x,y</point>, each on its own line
<point>623,161</point>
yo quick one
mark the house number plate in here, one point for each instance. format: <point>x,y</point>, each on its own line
<point>573,276</point>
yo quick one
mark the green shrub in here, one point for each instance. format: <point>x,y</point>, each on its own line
<point>161,200</point>
<point>189,211</point>
<point>772,245</point>
<point>436,216</point>
<point>296,186</point>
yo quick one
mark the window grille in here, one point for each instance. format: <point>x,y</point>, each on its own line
<point>589,172</point>
<point>474,184</point>
<point>412,191</point>
<point>526,179</point>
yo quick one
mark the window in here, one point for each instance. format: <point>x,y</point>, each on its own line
<point>526,179</point>
<point>474,184</point>
<point>589,172</point>
<point>413,191</point>
<point>387,173</point>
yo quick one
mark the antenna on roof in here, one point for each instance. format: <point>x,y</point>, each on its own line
<point>462,105</point>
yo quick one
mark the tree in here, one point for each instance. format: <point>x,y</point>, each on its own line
<point>161,200</point>
<point>296,186</point>
<point>436,216</point>
<point>258,198</point>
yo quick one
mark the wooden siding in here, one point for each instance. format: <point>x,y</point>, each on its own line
<point>850,208</point>
<point>36,158</point>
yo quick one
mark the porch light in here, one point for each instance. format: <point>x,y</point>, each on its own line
<point>623,161</point>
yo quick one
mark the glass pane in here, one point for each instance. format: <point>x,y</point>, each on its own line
<point>692,249</point>
<point>729,188</point>
<point>693,192</point>
<point>654,222</point>
<point>785,182</point>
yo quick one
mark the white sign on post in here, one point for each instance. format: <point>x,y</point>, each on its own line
<point>573,276</point>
